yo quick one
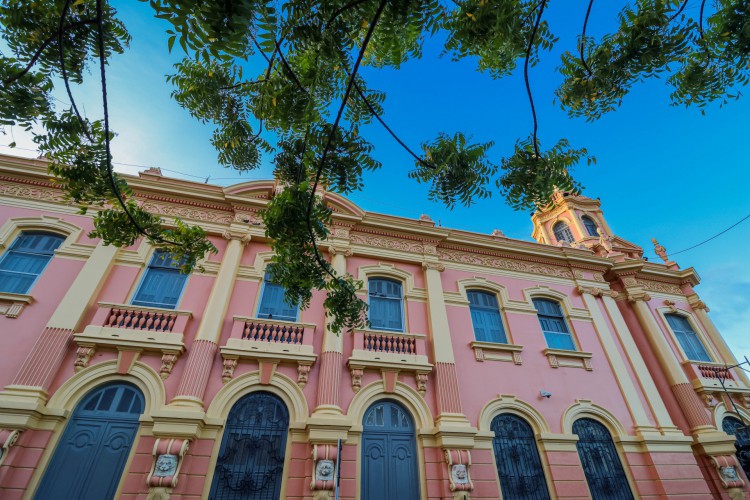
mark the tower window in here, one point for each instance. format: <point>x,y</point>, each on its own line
<point>591,226</point>
<point>562,232</point>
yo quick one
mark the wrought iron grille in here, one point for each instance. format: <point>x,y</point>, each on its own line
<point>251,460</point>
<point>741,433</point>
<point>517,458</point>
<point>601,464</point>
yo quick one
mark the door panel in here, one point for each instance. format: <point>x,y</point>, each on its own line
<point>389,457</point>
<point>90,457</point>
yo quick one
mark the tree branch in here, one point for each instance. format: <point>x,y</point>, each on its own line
<point>526,75</point>
<point>61,31</point>
<point>583,38</point>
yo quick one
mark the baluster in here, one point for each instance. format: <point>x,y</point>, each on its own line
<point>159,322</point>
<point>111,318</point>
<point>153,321</point>
<point>171,319</point>
<point>284,334</point>
<point>127,319</point>
<point>391,342</point>
<point>300,334</point>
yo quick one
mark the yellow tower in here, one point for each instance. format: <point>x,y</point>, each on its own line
<point>572,220</point>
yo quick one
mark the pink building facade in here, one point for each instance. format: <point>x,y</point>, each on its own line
<point>565,367</point>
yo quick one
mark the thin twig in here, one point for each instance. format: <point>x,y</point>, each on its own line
<point>61,31</point>
<point>110,173</point>
<point>377,116</point>
<point>526,75</point>
<point>64,73</point>
<point>242,84</point>
<point>679,11</point>
<point>334,128</point>
<point>341,11</point>
<point>582,45</point>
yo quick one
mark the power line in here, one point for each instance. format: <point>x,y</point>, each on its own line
<point>712,237</point>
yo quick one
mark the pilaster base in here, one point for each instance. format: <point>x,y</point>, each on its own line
<point>327,428</point>
<point>454,430</point>
<point>24,407</point>
<point>178,422</point>
<point>187,401</point>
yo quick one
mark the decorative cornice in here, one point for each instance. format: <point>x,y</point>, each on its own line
<point>659,287</point>
<point>523,265</point>
<point>200,214</point>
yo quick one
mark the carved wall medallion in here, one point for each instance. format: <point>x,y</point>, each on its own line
<point>83,356</point>
<point>167,364</point>
<point>324,470</point>
<point>459,474</point>
<point>421,379</point>
<point>166,465</point>
<point>356,379</point>
<point>303,372</point>
<point>229,365</point>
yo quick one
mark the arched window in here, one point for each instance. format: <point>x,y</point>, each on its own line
<point>590,225</point>
<point>162,283</point>
<point>386,304</point>
<point>485,317</point>
<point>562,232</point>
<point>735,427</point>
<point>517,459</point>
<point>601,463</point>
<point>688,339</point>
<point>272,302</point>
<point>555,329</point>
<point>90,457</point>
<point>25,260</point>
<point>250,465</point>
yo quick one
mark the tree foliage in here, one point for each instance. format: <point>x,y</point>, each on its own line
<point>282,79</point>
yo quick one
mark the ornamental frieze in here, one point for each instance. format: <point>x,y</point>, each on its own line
<point>655,286</point>
<point>32,193</point>
<point>501,263</point>
<point>188,212</point>
<point>389,243</point>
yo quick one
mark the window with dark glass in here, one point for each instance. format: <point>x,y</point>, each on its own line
<point>554,326</point>
<point>517,459</point>
<point>26,259</point>
<point>485,317</point>
<point>741,432</point>
<point>601,463</point>
<point>386,304</point>
<point>562,232</point>
<point>162,283</point>
<point>273,305</point>
<point>591,226</point>
<point>688,339</point>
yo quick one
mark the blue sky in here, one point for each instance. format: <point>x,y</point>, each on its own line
<point>662,171</point>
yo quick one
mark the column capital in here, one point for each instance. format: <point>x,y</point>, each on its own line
<point>340,250</point>
<point>243,238</point>
<point>696,303</point>
<point>429,265</point>
<point>596,291</point>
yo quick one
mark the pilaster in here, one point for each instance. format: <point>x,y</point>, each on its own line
<point>202,352</point>
<point>35,375</point>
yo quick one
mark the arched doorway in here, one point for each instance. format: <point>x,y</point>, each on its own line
<point>735,427</point>
<point>601,463</point>
<point>389,453</point>
<point>250,465</point>
<point>517,458</point>
<point>90,457</point>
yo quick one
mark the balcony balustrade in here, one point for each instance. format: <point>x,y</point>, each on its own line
<point>134,329</point>
<point>391,353</point>
<point>707,378</point>
<point>269,342</point>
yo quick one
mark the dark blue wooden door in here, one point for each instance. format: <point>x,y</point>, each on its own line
<point>91,455</point>
<point>389,453</point>
<point>251,460</point>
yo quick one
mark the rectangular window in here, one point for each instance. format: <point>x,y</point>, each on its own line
<point>553,324</point>
<point>485,317</point>
<point>688,339</point>
<point>386,305</point>
<point>162,283</point>
<point>25,260</point>
<point>272,303</point>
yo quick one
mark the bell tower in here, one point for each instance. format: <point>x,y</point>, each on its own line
<point>573,220</point>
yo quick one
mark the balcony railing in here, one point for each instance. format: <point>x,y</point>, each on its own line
<point>269,342</point>
<point>717,372</point>
<point>134,328</point>
<point>389,343</point>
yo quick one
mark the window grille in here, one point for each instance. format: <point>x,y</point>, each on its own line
<point>26,259</point>
<point>517,459</point>
<point>553,324</point>
<point>601,463</point>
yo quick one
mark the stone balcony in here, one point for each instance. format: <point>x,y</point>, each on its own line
<point>132,330</point>
<point>390,353</point>
<point>711,379</point>
<point>269,342</point>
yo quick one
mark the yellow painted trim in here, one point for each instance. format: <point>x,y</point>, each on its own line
<point>11,228</point>
<point>585,408</point>
<point>403,393</point>
<point>506,403</point>
<point>567,308</point>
